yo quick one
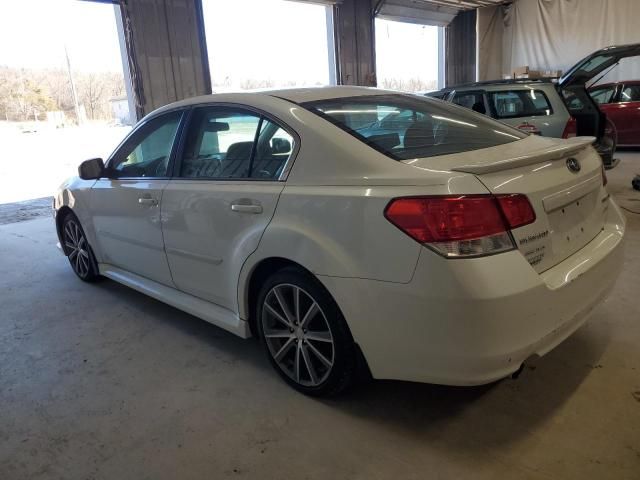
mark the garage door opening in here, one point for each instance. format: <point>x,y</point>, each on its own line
<point>409,57</point>
<point>63,96</point>
<point>279,44</point>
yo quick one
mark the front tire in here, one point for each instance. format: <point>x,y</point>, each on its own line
<point>78,250</point>
<point>304,334</point>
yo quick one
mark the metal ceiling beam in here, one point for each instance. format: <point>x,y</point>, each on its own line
<point>378,6</point>
<point>465,4</point>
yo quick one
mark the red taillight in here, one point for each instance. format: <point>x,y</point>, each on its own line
<point>461,225</point>
<point>517,210</point>
<point>571,129</point>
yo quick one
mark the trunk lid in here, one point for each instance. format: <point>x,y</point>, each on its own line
<point>596,63</point>
<point>570,203</point>
<point>572,89</point>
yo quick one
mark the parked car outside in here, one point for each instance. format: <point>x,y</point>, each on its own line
<point>544,107</point>
<point>346,226</point>
<point>621,103</point>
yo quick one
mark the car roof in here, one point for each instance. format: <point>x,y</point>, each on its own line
<point>496,85</point>
<point>501,85</point>
<point>296,95</point>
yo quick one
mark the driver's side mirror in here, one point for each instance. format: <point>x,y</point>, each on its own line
<point>91,169</point>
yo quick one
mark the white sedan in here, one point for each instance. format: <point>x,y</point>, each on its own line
<point>348,226</point>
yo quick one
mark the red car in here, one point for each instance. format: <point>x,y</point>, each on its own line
<point>620,102</point>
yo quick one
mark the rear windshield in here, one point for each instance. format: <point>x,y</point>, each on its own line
<point>407,126</point>
<point>520,103</point>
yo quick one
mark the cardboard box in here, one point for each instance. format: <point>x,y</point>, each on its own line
<point>535,74</point>
<point>519,71</point>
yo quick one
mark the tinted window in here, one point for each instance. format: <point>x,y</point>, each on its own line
<point>519,103</point>
<point>221,143</point>
<point>403,126</point>
<point>630,93</point>
<point>275,146</point>
<point>147,152</point>
<point>471,100</point>
<point>603,95</point>
<point>594,63</point>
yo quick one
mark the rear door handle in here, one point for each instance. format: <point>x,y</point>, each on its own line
<point>240,208</point>
<point>147,201</point>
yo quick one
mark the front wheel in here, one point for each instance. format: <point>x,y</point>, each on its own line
<point>305,335</point>
<point>78,250</point>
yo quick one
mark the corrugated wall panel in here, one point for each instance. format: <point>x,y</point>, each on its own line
<point>460,49</point>
<point>167,50</point>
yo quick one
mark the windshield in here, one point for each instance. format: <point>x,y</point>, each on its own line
<point>406,126</point>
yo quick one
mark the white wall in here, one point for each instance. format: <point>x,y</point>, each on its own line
<point>555,34</point>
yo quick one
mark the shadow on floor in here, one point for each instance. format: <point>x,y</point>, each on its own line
<point>491,415</point>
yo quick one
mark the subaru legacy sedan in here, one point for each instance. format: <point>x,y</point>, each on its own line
<point>349,228</point>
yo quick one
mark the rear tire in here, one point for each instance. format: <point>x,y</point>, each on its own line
<point>304,334</point>
<point>78,251</point>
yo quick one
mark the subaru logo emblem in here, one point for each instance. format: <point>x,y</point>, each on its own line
<point>573,165</point>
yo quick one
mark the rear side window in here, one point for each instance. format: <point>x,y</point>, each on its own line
<point>407,126</point>
<point>631,93</point>
<point>224,143</point>
<point>468,99</point>
<point>219,143</point>
<point>519,103</point>
<point>603,95</point>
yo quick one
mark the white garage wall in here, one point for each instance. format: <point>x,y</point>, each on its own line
<point>555,34</point>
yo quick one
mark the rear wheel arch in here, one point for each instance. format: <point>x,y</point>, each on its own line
<point>259,273</point>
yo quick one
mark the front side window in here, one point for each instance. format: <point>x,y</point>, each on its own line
<point>630,93</point>
<point>229,143</point>
<point>405,126</point>
<point>604,95</point>
<point>519,103</point>
<point>146,153</point>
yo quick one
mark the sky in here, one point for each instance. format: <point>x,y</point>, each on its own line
<point>33,34</point>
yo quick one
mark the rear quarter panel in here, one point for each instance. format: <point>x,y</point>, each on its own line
<point>341,231</point>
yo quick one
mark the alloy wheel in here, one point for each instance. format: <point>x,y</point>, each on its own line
<point>298,334</point>
<point>78,248</point>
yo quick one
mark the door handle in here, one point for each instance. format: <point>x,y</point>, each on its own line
<point>240,208</point>
<point>147,201</point>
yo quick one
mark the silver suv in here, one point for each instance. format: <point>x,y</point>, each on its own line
<point>561,108</point>
<point>532,106</point>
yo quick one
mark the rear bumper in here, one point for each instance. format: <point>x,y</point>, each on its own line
<point>473,321</point>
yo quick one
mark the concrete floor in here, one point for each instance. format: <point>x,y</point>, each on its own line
<point>100,382</point>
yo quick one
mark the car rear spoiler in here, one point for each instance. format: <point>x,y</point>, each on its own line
<point>564,149</point>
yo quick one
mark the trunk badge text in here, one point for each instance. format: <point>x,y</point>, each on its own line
<point>573,165</point>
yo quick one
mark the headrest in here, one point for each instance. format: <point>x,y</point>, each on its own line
<point>239,151</point>
<point>419,134</point>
